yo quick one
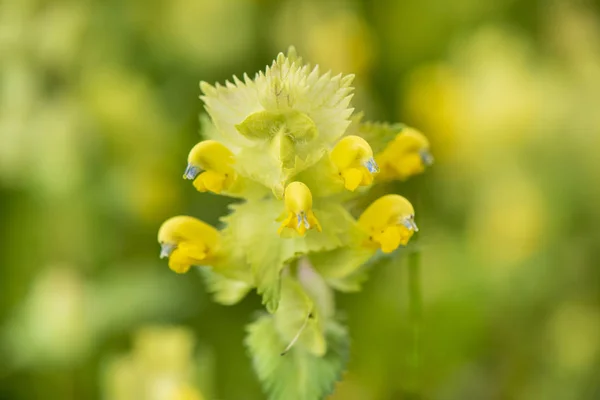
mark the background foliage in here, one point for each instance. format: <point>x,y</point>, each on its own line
<point>99,107</point>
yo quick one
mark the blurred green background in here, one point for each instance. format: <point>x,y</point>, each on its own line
<point>99,107</point>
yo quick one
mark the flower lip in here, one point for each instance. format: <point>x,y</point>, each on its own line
<point>191,172</point>
<point>166,249</point>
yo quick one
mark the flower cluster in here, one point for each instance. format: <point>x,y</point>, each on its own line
<point>286,143</point>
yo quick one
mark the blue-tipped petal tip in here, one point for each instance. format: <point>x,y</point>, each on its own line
<point>426,157</point>
<point>372,166</point>
<point>191,172</point>
<point>166,249</point>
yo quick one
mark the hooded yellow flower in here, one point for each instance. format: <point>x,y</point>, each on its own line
<point>354,161</point>
<point>407,155</point>
<point>389,221</point>
<point>298,203</point>
<point>216,161</point>
<point>187,241</point>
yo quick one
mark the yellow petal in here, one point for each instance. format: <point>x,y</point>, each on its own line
<point>405,156</point>
<point>179,262</point>
<point>385,222</point>
<point>313,221</point>
<point>297,197</point>
<point>193,240</point>
<point>287,223</point>
<point>408,165</point>
<point>187,393</point>
<point>298,203</point>
<point>390,239</point>
<point>352,178</point>
<point>367,177</point>
<point>195,251</point>
<point>351,151</point>
<point>212,181</point>
<point>211,155</point>
<point>199,184</point>
<point>405,235</point>
<point>385,211</point>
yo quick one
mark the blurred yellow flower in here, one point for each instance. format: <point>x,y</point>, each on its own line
<point>353,158</point>
<point>389,222</point>
<point>508,222</point>
<point>161,366</point>
<point>330,33</point>
<point>407,155</point>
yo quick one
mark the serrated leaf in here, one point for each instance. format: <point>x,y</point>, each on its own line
<point>350,283</point>
<point>315,286</point>
<point>341,263</point>
<point>298,375</point>
<point>377,134</point>
<point>207,129</point>
<point>298,319</point>
<point>322,178</point>
<point>316,109</point>
<point>224,290</point>
<point>252,230</point>
<point>256,163</point>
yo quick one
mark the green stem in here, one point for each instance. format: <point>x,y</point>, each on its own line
<point>415,305</point>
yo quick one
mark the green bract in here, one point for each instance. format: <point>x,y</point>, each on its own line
<point>293,238</point>
<point>299,374</point>
<point>291,112</point>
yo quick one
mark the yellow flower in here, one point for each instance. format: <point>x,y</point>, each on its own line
<point>389,222</point>
<point>353,158</point>
<point>187,241</point>
<point>298,204</point>
<point>408,154</point>
<point>216,161</point>
<point>187,392</point>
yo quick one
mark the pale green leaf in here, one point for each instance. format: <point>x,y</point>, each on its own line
<point>224,290</point>
<point>252,230</point>
<point>297,375</point>
<point>298,320</point>
<point>315,286</point>
<point>350,283</point>
<point>323,178</point>
<point>341,264</point>
<point>315,109</point>
<point>261,125</point>
<point>264,125</point>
